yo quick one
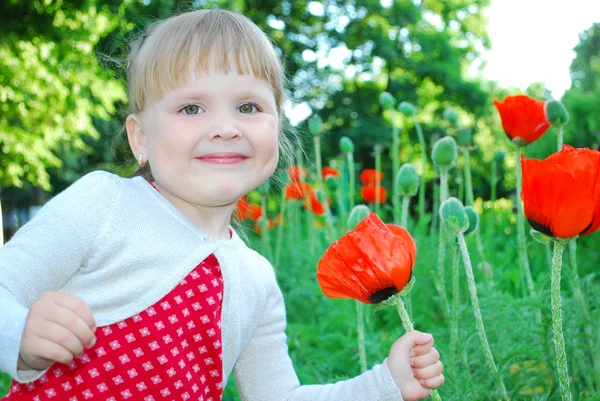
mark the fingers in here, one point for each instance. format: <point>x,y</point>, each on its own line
<point>63,337</point>
<point>433,382</point>
<point>414,339</point>
<point>422,349</point>
<point>44,353</point>
<point>430,371</point>
<point>78,307</point>
<point>423,361</point>
<point>66,318</point>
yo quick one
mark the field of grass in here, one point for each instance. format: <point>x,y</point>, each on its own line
<point>322,332</point>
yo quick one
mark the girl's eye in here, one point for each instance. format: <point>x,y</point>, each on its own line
<point>248,108</point>
<point>191,109</point>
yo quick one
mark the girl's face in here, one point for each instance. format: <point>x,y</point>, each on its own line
<point>212,140</point>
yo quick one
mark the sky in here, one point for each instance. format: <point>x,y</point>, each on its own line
<point>533,40</point>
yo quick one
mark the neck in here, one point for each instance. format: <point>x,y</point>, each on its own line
<point>213,220</point>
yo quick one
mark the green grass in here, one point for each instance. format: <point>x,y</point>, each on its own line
<point>322,331</point>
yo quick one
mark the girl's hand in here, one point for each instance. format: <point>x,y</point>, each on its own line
<point>58,328</point>
<point>415,365</point>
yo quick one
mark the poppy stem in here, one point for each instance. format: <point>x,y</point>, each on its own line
<point>408,326</point>
<point>478,318</point>
<point>469,199</point>
<point>440,279</point>
<point>280,229</point>
<point>265,235</point>
<point>423,164</point>
<point>395,154</point>
<point>524,260</point>
<point>351,179</point>
<point>405,205</point>
<point>360,327</point>
<point>494,180</point>
<point>455,301</point>
<point>377,182</point>
<point>559,341</point>
<point>559,137</point>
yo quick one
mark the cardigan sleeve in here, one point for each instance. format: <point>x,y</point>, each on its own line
<point>45,253</point>
<point>264,370</point>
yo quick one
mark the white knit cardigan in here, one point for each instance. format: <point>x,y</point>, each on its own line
<point>120,246</point>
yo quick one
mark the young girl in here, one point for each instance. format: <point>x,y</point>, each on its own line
<point>138,288</point>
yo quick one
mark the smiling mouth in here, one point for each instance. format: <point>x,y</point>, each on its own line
<point>222,158</point>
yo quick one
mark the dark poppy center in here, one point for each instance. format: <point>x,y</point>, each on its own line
<point>382,295</point>
<point>541,228</point>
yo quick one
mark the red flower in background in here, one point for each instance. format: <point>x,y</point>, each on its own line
<point>306,193</point>
<point>369,194</point>
<point>370,176</point>
<point>370,263</point>
<point>297,174</point>
<point>561,194</point>
<point>330,171</point>
<point>245,210</point>
<point>523,117</point>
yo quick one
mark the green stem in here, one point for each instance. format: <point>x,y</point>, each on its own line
<point>395,154</point>
<point>408,326</point>
<point>280,229</point>
<point>377,182</point>
<point>468,179</point>
<point>478,318</point>
<point>440,279</point>
<point>559,138</point>
<point>405,205</point>
<point>265,230</point>
<point>360,327</point>
<point>436,206</point>
<point>351,179</point>
<point>521,229</point>
<point>494,180</point>
<point>317,142</point>
<point>455,302</point>
<point>424,163</point>
<point>559,341</point>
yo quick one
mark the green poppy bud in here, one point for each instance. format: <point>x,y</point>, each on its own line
<point>407,109</point>
<point>499,156</point>
<point>453,215</point>
<point>464,137</point>
<point>358,213</point>
<point>387,100</point>
<point>346,144</point>
<point>407,180</point>
<point>314,125</point>
<point>473,220</point>
<point>332,183</point>
<point>444,152</point>
<point>451,115</point>
<point>321,196</point>
<point>556,113</point>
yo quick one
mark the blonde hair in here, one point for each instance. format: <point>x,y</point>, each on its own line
<point>202,40</point>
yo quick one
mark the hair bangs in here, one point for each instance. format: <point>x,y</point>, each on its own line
<point>199,42</point>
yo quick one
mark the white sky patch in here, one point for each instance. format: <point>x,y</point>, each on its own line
<point>533,41</point>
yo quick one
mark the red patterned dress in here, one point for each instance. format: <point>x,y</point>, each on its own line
<point>170,351</point>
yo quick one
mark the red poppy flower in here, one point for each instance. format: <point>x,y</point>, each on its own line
<point>330,171</point>
<point>369,193</point>
<point>297,174</point>
<point>242,209</point>
<point>370,176</point>
<point>315,205</point>
<point>561,194</point>
<point>370,263</point>
<point>297,191</point>
<point>522,117</point>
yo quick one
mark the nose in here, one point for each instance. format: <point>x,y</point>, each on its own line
<point>224,126</point>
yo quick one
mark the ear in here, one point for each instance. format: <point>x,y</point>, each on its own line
<point>136,136</point>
